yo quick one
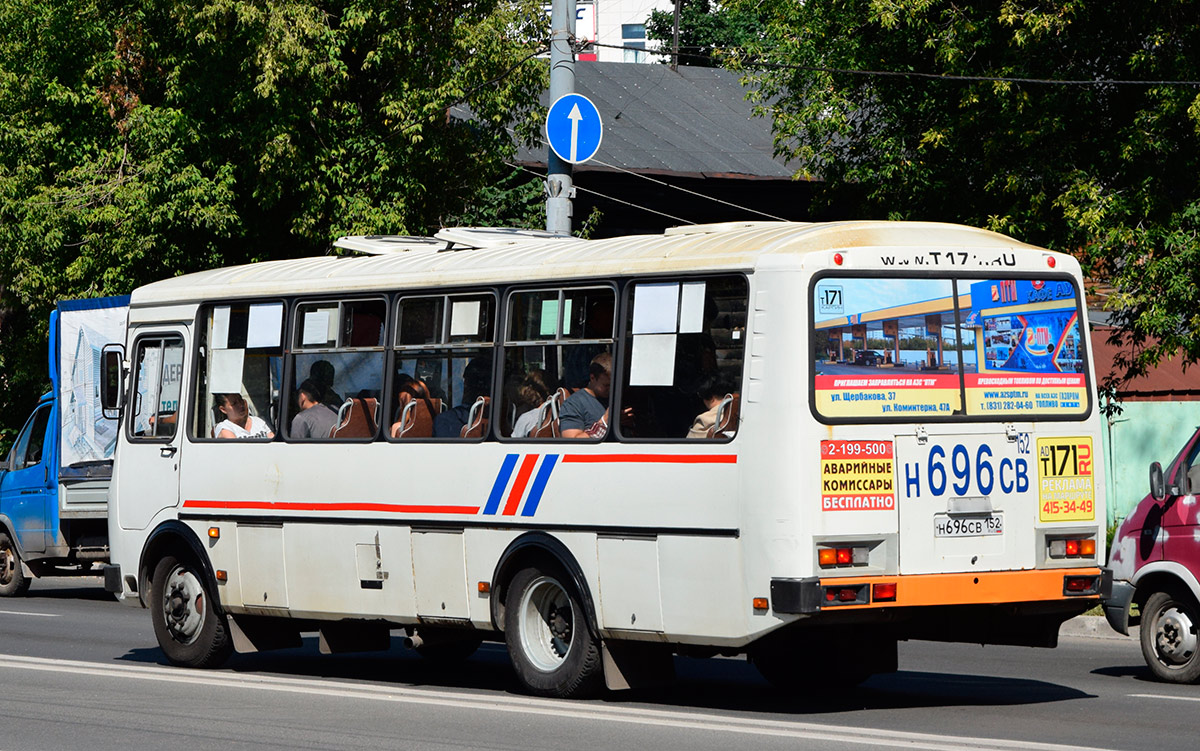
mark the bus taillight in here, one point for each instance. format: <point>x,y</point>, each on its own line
<point>849,556</point>
<point>1072,547</point>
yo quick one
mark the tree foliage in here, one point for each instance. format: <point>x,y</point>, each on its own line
<point>144,139</point>
<point>1108,171</point>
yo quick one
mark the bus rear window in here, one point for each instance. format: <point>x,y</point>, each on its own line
<point>902,348</point>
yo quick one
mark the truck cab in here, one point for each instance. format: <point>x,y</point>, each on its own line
<point>1155,561</point>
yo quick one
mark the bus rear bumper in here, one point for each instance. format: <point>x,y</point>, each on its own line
<point>814,594</point>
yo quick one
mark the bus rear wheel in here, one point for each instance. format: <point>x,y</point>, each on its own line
<point>13,580</point>
<point>190,630</point>
<point>552,649</point>
<point>1170,644</point>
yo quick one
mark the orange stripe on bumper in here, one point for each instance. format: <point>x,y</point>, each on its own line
<point>983,588</point>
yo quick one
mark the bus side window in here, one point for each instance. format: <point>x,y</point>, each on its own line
<point>336,388</point>
<point>552,336</point>
<point>684,349</point>
<point>159,380</point>
<point>442,370</point>
<point>239,365</point>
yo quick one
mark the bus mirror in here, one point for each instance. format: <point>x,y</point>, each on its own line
<point>112,378</point>
<point>1157,489</point>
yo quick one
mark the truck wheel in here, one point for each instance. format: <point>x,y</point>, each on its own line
<point>1168,635</point>
<point>13,581</point>
<point>552,650</point>
<point>189,629</point>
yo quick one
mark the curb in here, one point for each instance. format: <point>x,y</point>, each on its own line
<point>1094,627</point>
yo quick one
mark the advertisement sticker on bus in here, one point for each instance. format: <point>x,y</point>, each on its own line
<point>901,348</point>
<point>1066,488</point>
<point>857,476</point>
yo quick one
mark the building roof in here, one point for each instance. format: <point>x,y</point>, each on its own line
<point>1167,382</point>
<point>691,122</point>
<point>725,247</point>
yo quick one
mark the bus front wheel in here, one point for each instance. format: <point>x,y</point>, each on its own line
<point>13,580</point>
<point>1170,623</point>
<point>551,647</point>
<point>190,630</point>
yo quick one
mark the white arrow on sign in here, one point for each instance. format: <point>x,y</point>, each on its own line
<point>574,117</point>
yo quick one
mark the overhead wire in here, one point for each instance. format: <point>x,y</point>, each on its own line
<point>757,63</point>
<point>607,197</point>
<point>666,185</point>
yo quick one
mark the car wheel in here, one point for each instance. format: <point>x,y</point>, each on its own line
<point>1169,637</point>
<point>552,648</point>
<point>13,581</point>
<point>187,624</point>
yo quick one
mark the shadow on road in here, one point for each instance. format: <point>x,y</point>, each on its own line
<point>717,684</point>
<point>68,589</point>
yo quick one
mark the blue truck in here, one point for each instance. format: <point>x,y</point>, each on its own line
<point>54,482</point>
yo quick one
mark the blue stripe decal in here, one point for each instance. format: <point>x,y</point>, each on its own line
<point>506,469</point>
<point>539,484</point>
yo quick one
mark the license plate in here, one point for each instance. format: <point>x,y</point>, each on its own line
<point>945,525</point>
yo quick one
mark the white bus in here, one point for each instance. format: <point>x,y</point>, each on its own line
<point>797,442</point>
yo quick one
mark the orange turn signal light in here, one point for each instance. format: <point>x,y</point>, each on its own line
<point>827,556</point>
<point>222,575</point>
<point>1087,547</point>
<point>485,587</point>
<point>760,603</point>
<point>214,533</point>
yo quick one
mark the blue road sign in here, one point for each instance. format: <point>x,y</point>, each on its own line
<point>573,128</point>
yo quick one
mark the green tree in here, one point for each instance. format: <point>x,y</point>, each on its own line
<point>140,140</point>
<point>706,29</point>
<point>927,109</point>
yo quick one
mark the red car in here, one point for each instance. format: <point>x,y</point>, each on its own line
<point>1155,560</point>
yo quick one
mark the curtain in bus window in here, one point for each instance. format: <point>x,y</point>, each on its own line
<point>1030,353</point>
<point>887,347</point>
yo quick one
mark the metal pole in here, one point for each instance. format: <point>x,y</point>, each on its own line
<point>675,38</point>
<point>559,190</point>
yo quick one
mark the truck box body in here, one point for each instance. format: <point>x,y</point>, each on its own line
<point>54,483</point>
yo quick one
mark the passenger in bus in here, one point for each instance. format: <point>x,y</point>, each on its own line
<point>314,420</point>
<point>322,373</point>
<point>238,422</point>
<point>531,394</point>
<point>406,390</point>
<point>584,414</point>
<point>477,378</point>
<point>712,390</point>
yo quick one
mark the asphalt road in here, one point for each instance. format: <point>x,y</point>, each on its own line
<point>79,670</point>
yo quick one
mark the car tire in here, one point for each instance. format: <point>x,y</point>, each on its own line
<point>13,581</point>
<point>190,629</point>
<point>549,641</point>
<point>1169,636</point>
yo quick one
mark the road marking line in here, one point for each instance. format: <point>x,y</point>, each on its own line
<point>533,706</point>
<point>22,612</point>
<point>1164,696</point>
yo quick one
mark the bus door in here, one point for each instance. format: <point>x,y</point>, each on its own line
<point>967,502</point>
<point>149,462</point>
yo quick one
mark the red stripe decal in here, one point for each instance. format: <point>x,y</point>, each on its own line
<point>518,488</point>
<point>651,458</point>
<point>286,506</point>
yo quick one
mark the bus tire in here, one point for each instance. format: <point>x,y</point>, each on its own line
<point>13,581</point>
<point>189,629</point>
<point>1170,623</point>
<point>552,649</point>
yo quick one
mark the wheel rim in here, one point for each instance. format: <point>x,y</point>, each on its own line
<point>1175,636</point>
<point>546,621</point>
<point>8,563</point>
<point>183,605</point>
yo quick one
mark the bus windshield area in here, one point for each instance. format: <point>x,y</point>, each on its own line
<point>899,348</point>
